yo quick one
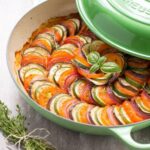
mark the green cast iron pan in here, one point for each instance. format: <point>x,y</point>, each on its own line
<point>23,29</point>
<point>124,24</point>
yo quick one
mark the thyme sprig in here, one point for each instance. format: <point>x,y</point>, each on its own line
<point>15,131</point>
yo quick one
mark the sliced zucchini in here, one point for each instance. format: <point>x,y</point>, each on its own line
<point>62,30</point>
<point>60,101</point>
<point>93,115</point>
<point>68,46</point>
<point>33,71</point>
<point>53,101</point>
<point>36,51</point>
<point>53,70</point>
<point>95,94</point>
<point>134,83</point>
<point>99,114</point>
<point>86,49</point>
<point>59,72</point>
<point>118,115</point>
<point>75,112</point>
<point>79,64</point>
<point>28,67</point>
<point>49,37</point>
<point>66,50</point>
<point>40,88</point>
<point>98,82</point>
<point>124,116</point>
<point>77,22</point>
<point>127,84</point>
<point>88,39</point>
<point>102,80</point>
<point>140,104</point>
<point>118,94</point>
<point>35,85</point>
<point>76,87</point>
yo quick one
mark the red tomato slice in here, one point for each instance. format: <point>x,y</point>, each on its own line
<point>87,74</point>
<point>131,112</point>
<point>28,59</point>
<point>42,43</point>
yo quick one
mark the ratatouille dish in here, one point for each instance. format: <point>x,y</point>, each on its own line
<point>66,69</point>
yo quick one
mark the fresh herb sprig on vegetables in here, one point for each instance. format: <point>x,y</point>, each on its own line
<point>13,128</point>
<point>99,63</point>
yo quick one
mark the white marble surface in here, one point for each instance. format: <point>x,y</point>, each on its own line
<point>63,139</point>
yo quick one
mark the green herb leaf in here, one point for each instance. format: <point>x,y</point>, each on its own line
<point>101,61</point>
<point>93,57</point>
<point>94,68</point>
<point>110,67</point>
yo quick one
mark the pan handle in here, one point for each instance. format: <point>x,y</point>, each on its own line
<point>124,133</point>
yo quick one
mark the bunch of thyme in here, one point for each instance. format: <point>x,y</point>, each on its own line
<point>15,131</point>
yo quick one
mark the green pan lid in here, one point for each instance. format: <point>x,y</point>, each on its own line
<point>124,24</point>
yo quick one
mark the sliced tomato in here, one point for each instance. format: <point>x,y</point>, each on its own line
<point>18,58</point>
<point>27,81</point>
<point>139,112</point>
<point>65,58</point>
<point>82,60</point>
<point>41,42</point>
<point>87,74</point>
<point>138,63</point>
<point>28,59</point>
<point>64,106</point>
<point>74,40</point>
<point>62,53</point>
<point>82,114</point>
<point>104,96</point>
<point>135,77</point>
<point>104,117</point>
<point>131,112</point>
<point>145,98</point>
<point>124,90</point>
<point>53,32</point>
<point>46,94</point>
<point>70,79</point>
<point>64,76</point>
<point>71,26</point>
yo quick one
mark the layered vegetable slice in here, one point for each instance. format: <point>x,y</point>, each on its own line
<point>31,69</point>
<point>42,91</point>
